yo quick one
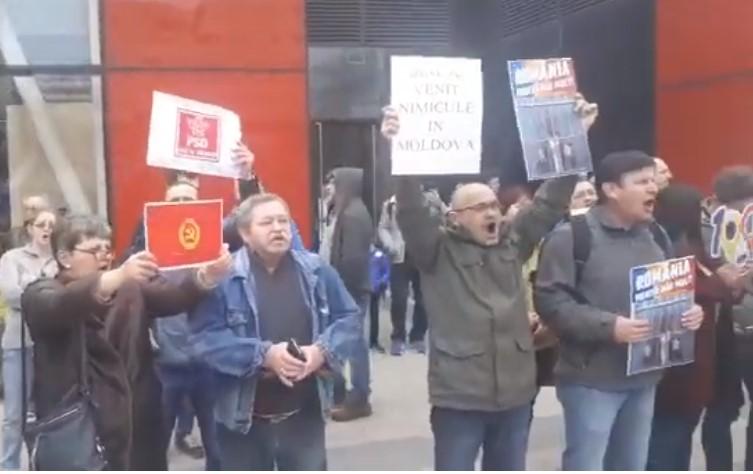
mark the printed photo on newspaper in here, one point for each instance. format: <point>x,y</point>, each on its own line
<point>554,140</point>
<point>661,293</point>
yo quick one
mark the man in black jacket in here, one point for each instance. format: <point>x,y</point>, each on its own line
<point>346,241</point>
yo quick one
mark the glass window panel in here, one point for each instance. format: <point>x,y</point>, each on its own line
<point>51,143</point>
<point>50,32</point>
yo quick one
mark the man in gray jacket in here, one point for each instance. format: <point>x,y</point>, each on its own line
<point>607,414</point>
<point>481,358</point>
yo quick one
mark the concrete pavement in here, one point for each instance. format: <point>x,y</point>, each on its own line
<point>398,436</point>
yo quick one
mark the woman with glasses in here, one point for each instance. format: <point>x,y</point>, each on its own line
<point>112,310</point>
<point>18,268</point>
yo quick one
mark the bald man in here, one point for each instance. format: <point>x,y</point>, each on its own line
<point>663,173</point>
<point>481,358</point>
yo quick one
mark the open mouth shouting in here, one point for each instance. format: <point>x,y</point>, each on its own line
<point>648,205</point>
<point>492,228</point>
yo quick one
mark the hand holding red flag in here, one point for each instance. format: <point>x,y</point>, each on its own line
<point>184,234</point>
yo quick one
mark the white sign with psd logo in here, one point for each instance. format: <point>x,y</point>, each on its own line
<point>439,102</point>
<point>192,136</point>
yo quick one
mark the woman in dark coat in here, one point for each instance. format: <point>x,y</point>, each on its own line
<point>114,307</point>
<point>685,391</point>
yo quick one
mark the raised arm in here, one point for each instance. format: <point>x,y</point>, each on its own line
<point>550,206</point>
<point>49,306</point>
<point>422,232</point>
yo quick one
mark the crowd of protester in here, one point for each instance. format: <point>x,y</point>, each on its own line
<point>512,288</point>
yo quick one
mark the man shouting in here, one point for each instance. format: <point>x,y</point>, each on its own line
<point>481,362</point>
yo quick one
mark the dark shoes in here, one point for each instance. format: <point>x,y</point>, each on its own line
<point>418,346</point>
<point>397,348</point>
<point>195,451</point>
<point>352,409</point>
<point>376,347</point>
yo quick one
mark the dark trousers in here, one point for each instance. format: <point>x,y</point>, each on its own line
<point>358,360</point>
<point>196,384</point>
<point>716,434</point>
<point>460,434</point>
<point>184,419</point>
<point>376,299</point>
<point>671,442</point>
<point>294,444</point>
<point>402,278</point>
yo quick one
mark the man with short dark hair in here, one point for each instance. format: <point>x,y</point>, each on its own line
<point>274,332</point>
<point>607,414</point>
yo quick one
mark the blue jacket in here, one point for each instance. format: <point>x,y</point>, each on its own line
<point>379,270</point>
<point>225,333</point>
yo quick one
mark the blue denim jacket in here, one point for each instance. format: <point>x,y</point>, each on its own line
<point>225,333</point>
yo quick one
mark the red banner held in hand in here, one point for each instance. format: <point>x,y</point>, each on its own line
<point>183,234</point>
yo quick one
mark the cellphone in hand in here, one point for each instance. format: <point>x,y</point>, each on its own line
<point>295,350</point>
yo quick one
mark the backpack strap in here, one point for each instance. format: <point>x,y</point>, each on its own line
<point>662,239</point>
<point>581,244</point>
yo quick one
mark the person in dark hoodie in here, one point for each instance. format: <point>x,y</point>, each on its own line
<point>346,243</point>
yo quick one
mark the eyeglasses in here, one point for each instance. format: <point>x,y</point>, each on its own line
<point>44,225</point>
<point>181,199</point>
<point>481,207</point>
<point>98,252</point>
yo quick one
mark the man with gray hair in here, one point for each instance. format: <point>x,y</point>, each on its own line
<point>273,333</point>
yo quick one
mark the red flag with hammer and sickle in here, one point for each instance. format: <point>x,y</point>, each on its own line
<point>183,234</point>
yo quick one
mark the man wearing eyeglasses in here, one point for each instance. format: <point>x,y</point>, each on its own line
<point>481,359</point>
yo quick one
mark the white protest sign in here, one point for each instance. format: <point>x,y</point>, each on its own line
<point>440,105</point>
<point>192,136</point>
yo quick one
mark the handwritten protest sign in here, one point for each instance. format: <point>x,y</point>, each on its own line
<point>661,293</point>
<point>732,237</point>
<point>439,101</point>
<point>183,234</point>
<point>192,136</point>
<point>554,140</point>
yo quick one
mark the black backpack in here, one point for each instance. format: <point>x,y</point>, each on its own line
<point>582,242</point>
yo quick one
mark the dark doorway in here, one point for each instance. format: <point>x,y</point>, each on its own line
<point>344,143</point>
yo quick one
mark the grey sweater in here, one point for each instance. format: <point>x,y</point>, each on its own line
<point>588,353</point>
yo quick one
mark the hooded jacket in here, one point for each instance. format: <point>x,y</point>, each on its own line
<point>353,233</point>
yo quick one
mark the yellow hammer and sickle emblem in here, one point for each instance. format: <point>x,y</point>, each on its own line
<point>189,234</point>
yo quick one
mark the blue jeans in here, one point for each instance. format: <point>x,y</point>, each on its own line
<point>12,439</point>
<point>460,434</point>
<point>606,430</point>
<point>360,370</point>
<point>671,442</point>
<point>196,384</point>
<point>294,444</point>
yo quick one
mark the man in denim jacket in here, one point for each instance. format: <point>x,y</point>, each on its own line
<point>270,403</point>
